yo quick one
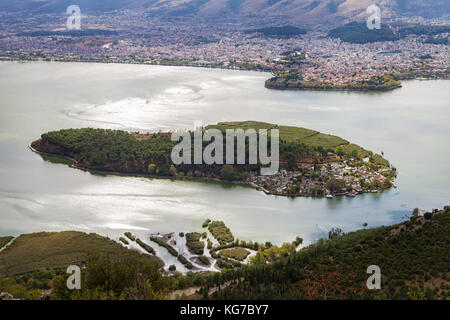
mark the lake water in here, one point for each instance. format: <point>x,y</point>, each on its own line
<point>411,126</point>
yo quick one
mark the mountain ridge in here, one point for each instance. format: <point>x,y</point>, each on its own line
<point>289,11</point>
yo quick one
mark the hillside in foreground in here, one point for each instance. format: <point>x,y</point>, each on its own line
<point>414,258</point>
<point>36,251</point>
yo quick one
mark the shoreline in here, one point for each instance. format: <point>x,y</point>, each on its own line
<point>334,89</point>
<point>270,87</point>
<point>137,175</point>
<point>2,59</point>
<point>201,179</point>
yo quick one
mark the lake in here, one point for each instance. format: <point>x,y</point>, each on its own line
<point>410,125</point>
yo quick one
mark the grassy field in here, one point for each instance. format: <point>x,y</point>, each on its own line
<point>287,133</point>
<point>245,125</point>
<point>236,253</point>
<point>324,140</point>
<point>308,137</point>
<point>348,148</point>
<point>54,250</point>
<point>377,159</point>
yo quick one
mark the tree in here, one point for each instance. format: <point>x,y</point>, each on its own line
<point>227,172</point>
<point>152,168</point>
<point>244,176</point>
<point>335,185</point>
<point>173,171</point>
<point>339,151</point>
<point>335,232</point>
<point>298,241</point>
<point>258,259</point>
<point>416,293</point>
<point>130,276</point>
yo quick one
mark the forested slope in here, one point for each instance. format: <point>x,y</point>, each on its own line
<point>414,258</point>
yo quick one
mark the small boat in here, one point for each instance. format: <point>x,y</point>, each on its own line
<point>329,196</point>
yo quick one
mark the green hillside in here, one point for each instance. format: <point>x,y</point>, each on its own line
<point>414,258</point>
<point>355,32</point>
<point>36,251</point>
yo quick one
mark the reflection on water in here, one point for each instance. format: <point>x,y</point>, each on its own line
<point>37,194</point>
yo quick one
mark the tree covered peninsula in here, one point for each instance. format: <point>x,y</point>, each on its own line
<point>311,163</point>
<point>292,80</point>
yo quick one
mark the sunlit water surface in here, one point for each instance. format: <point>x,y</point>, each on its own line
<point>409,125</point>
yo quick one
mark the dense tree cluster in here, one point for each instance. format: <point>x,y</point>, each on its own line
<point>110,150</point>
<point>285,31</point>
<point>108,277</point>
<point>437,40</point>
<point>120,151</point>
<point>291,81</point>
<point>355,32</point>
<point>424,30</point>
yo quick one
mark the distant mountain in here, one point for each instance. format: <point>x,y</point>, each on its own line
<point>297,11</point>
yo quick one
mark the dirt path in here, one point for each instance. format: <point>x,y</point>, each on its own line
<point>191,291</point>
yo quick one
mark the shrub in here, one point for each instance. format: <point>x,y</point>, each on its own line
<point>130,236</point>
<point>152,168</point>
<point>203,259</point>
<point>193,242</point>
<point>169,248</point>
<point>228,173</point>
<point>145,246</point>
<point>206,223</point>
<point>220,231</point>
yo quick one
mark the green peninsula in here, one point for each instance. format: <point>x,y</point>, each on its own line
<point>311,163</point>
<point>293,81</point>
